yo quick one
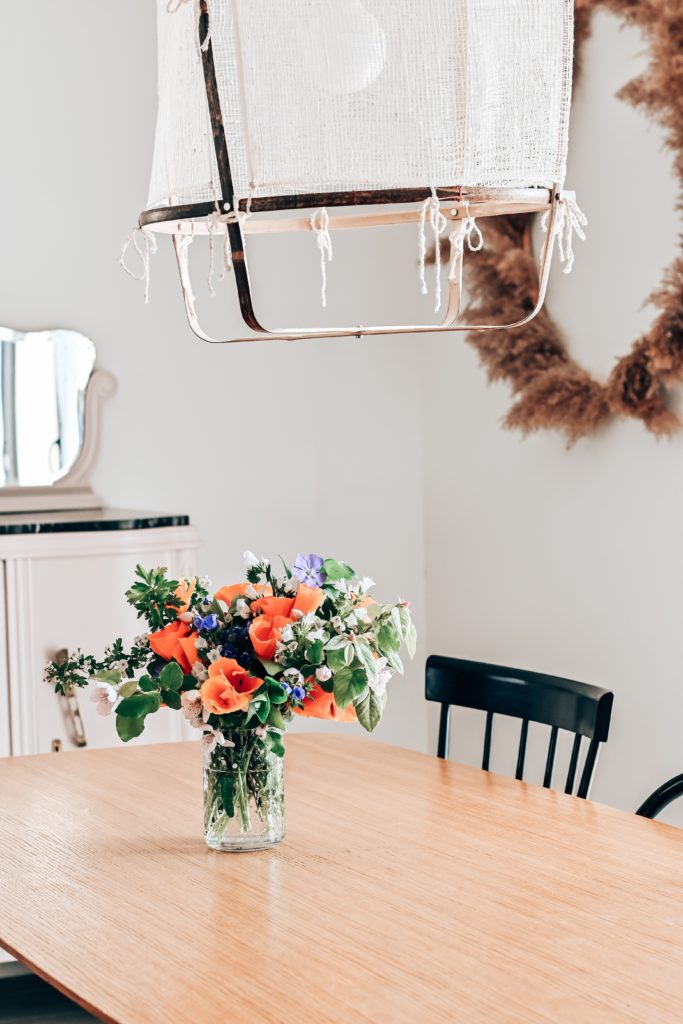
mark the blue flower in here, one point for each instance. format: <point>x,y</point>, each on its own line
<point>308,569</point>
<point>298,693</point>
<point>288,688</point>
<point>204,622</point>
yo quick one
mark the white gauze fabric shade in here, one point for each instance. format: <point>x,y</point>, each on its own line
<point>341,95</point>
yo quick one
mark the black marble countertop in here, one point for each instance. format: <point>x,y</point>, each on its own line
<point>86,520</point>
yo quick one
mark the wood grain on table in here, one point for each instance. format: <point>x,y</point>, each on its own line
<point>407,890</point>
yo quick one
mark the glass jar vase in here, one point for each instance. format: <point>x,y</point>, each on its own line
<point>244,807</point>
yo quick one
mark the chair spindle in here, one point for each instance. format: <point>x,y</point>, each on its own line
<point>487,741</point>
<point>548,777</point>
<point>573,762</point>
<point>444,730</point>
<point>524,731</point>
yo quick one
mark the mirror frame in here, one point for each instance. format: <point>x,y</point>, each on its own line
<point>72,491</point>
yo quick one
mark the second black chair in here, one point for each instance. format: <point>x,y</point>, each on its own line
<point>532,696</point>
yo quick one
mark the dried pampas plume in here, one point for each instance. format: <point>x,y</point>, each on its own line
<point>552,391</point>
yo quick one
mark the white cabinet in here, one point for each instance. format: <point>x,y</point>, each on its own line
<point>66,590</point>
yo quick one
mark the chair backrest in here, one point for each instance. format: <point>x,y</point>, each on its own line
<point>662,797</point>
<point>531,696</point>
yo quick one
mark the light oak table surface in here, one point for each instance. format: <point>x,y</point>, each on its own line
<point>408,890</point>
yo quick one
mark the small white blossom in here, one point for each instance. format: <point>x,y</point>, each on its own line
<point>323,673</point>
<point>260,731</point>
<point>242,609</point>
<point>351,621</point>
<point>224,608</point>
<point>201,643</point>
<point>286,635</point>
<point>290,585</point>
<point>204,582</point>
<point>209,741</point>
<point>337,623</point>
<point>250,560</point>
<point>191,706</point>
<point>105,696</point>
<point>362,616</point>
<point>293,676</point>
<point>199,672</point>
<point>214,654</point>
<point>297,613</point>
<point>186,616</point>
<point>316,634</point>
<point>141,641</point>
<point>251,592</point>
<point>366,584</point>
<point>119,666</point>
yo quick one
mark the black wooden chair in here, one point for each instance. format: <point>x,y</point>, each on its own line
<point>661,798</point>
<point>532,696</point>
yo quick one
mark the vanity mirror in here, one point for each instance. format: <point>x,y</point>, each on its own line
<point>50,395</point>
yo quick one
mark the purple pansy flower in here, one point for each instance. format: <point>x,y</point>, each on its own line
<point>308,569</point>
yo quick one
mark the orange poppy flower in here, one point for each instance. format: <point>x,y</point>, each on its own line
<point>320,704</point>
<point>228,594</point>
<point>184,592</point>
<point>308,599</point>
<point>273,606</point>
<point>175,642</point>
<point>228,687</point>
<point>264,633</point>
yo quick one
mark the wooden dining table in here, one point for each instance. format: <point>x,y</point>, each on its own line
<point>408,890</point>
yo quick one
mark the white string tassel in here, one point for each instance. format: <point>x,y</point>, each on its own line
<point>173,6</point>
<point>320,225</point>
<point>570,221</point>
<point>466,230</point>
<point>145,250</point>
<point>437,222</point>
<point>213,224</point>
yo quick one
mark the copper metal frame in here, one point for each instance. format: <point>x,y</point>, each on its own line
<point>469,201</point>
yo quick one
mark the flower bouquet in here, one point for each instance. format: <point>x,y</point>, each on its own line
<point>239,664</point>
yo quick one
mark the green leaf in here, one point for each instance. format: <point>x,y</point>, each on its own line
<point>139,705</point>
<point>337,570</point>
<point>274,741</point>
<point>148,685</point>
<point>226,785</point>
<point>395,662</point>
<point>327,684</point>
<point>337,643</point>
<point>364,655</point>
<point>128,688</point>
<point>128,728</point>
<point>189,683</point>
<point>348,684</point>
<point>388,640</point>
<point>396,620</point>
<point>171,677</point>
<point>271,667</point>
<point>109,675</point>
<point>275,719</point>
<point>314,652</point>
<point>276,691</point>
<point>335,660</point>
<point>171,699</point>
<point>261,708</point>
<point>411,640</point>
<point>368,710</point>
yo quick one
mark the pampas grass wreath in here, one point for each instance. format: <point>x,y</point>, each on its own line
<point>551,390</point>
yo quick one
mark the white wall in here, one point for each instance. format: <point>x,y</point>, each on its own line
<point>569,561</point>
<point>388,453</point>
<point>275,447</point>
